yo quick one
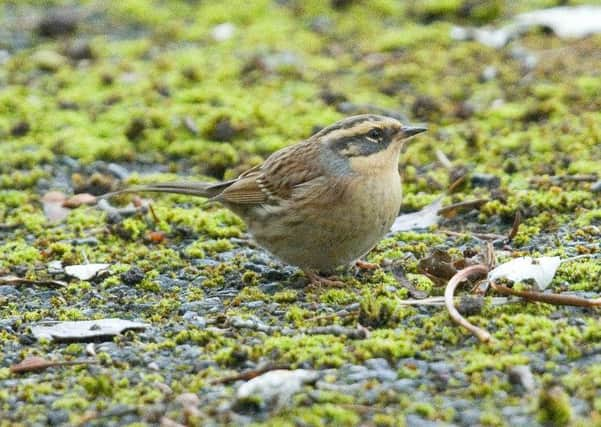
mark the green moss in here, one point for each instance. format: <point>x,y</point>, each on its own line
<point>554,406</point>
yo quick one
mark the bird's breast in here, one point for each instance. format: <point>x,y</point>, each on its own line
<point>330,230</point>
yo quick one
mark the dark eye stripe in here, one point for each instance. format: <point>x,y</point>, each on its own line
<point>359,145</point>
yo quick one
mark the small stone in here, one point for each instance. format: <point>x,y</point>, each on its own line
<point>275,388</point>
<point>117,171</point>
<point>21,128</point>
<point>470,305</point>
<point>58,22</point>
<point>223,131</point>
<point>55,267</point>
<point>4,56</point>
<point>489,73</point>
<point>254,304</point>
<point>521,375</point>
<point>596,187</point>
<point>404,385</point>
<point>79,49</point>
<point>57,418</point>
<point>485,180</point>
<point>133,276</point>
<point>378,364</point>
<point>413,420</point>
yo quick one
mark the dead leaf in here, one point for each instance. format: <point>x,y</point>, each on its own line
<point>276,387</point>
<point>438,266</point>
<point>456,208</point>
<point>541,270</point>
<point>14,280</point>
<point>86,271</point>
<point>84,330</point>
<point>79,199</point>
<point>566,22</point>
<point>423,218</point>
<point>399,274</point>
<point>156,237</point>
<point>35,363</point>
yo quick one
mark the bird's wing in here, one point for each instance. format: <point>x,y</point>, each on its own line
<point>277,177</point>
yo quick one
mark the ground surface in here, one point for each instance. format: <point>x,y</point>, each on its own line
<point>94,96</point>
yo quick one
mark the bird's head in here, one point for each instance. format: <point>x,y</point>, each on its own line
<point>367,141</point>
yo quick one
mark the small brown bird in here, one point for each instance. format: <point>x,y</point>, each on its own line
<point>323,202</point>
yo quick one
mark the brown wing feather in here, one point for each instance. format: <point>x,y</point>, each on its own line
<point>277,177</point>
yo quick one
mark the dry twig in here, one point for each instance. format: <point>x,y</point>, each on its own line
<point>35,363</point>
<point>478,269</point>
<point>16,281</point>
<point>247,375</point>
<point>555,299</point>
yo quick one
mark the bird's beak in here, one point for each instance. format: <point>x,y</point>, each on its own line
<point>410,130</point>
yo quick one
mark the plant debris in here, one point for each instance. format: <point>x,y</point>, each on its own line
<point>424,218</point>
<point>35,363</point>
<point>541,270</point>
<point>86,271</point>
<point>84,330</point>
<point>14,280</point>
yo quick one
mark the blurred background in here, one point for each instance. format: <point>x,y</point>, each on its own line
<point>210,88</point>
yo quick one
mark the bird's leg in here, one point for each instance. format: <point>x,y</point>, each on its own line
<point>364,265</point>
<point>315,280</point>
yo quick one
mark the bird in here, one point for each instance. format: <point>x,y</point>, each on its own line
<point>321,203</point>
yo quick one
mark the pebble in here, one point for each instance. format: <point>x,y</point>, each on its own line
<point>117,171</point>
<point>413,420</point>
<point>79,49</point>
<point>485,180</point>
<point>133,276</point>
<point>210,305</point>
<point>275,388</point>
<point>470,417</point>
<point>521,375</point>
<point>596,187</point>
<point>404,385</point>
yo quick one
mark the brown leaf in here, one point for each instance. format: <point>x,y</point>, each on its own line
<point>438,266</point>
<point>78,200</point>
<point>456,208</point>
<point>156,237</point>
<point>14,280</point>
<point>36,363</point>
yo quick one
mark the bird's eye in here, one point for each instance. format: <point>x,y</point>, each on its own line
<point>376,134</point>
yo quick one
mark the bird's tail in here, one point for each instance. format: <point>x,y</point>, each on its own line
<point>199,189</point>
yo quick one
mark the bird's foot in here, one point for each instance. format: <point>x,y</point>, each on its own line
<point>317,281</point>
<point>364,265</point>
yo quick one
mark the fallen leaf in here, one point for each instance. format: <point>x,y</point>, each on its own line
<point>423,218</point>
<point>78,200</point>
<point>275,388</point>
<point>83,330</point>
<point>14,280</point>
<point>85,271</point>
<point>52,203</point>
<point>35,363</point>
<point>541,270</point>
<point>438,266</point>
<point>565,22</point>
<point>456,208</point>
<point>156,237</point>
